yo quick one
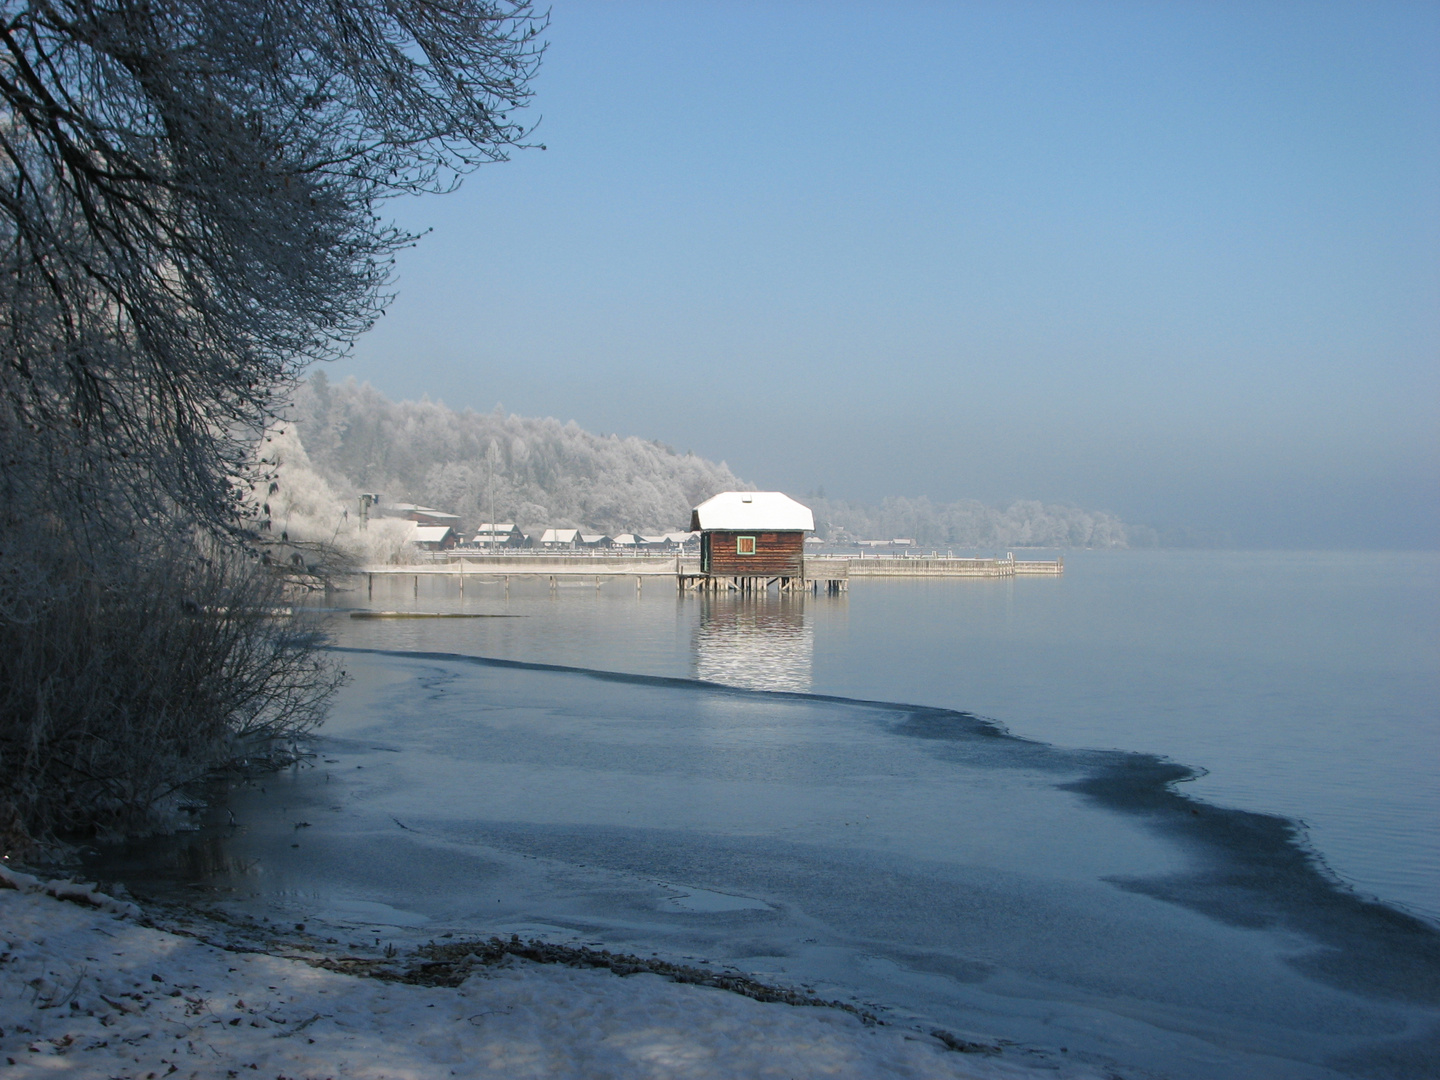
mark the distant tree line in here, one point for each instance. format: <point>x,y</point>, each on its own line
<point>348,437</point>
<point>496,466</point>
<point>969,524</point>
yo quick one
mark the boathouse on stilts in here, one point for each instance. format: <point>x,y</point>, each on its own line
<point>751,540</point>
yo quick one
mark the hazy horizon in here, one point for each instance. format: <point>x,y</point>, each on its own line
<point>1174,263</point>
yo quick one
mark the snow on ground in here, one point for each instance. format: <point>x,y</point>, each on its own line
<point>88,991</point>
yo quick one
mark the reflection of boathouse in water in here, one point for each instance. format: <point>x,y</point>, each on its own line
<point>760,645</point>
<point>750,540</point>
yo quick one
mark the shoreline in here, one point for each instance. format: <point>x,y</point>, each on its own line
<point>95,985</point>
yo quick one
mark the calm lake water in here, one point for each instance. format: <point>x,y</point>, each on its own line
<point>1143,811</point>
<point>1302,684</point>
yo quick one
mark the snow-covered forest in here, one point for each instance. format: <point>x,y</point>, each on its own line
<point>537,472</point>
<point>541,472</point>
<point>970,524</point>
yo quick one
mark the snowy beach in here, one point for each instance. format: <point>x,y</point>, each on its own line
<point>90,990</point>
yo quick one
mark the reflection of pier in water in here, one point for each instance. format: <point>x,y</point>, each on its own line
<point>759,643</point>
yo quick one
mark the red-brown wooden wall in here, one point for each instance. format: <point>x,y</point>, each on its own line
<point>777,554</point>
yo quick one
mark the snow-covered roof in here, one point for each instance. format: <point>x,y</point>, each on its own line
<point>430,534</point>
<point>407,509</point>
<point>559,536</point>
<point>495,527</point>
<point>593,538</point>
<point>757,510</point>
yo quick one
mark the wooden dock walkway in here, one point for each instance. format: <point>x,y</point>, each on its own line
<point>911,566</point>
<point>823,573</point>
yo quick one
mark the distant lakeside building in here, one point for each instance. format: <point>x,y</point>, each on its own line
<point>559,538</point>
<point>492,535</point>
<point>425,515</point>
<point>433,537</point>
<point>498,534</point>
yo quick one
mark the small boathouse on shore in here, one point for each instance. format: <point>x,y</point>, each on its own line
<point>750,540</point>
<point>752,534</point>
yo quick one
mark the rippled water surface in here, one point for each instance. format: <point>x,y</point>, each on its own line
<point>833,806</point>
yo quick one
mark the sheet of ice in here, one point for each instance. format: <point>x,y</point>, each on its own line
<point>85,993</point>
<point>914,858</point>
<point>1304,683</point>
<point>689,898</point>
<point>368,913</point>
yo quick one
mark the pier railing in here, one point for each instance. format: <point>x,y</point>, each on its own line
<point>623,563</point>
<point>542,562</point>
<point>949,566</point>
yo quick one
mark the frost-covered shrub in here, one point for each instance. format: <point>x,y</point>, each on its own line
<point>121,684</point>
<point>193,215</point>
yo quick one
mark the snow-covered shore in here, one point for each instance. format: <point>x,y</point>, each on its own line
<point>87,989</point>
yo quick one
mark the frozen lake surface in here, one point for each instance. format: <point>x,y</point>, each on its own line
<point>858,831</point>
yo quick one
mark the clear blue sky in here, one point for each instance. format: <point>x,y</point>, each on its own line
<point>1176,260</point>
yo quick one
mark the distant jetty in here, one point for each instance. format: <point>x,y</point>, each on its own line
<point>949,566</point>
<point>818,573</point>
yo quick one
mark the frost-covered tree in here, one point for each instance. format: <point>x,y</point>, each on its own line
<point>535,471</point>
<point>542,472</point>
<point>969,524</point>
<point>191,197</point>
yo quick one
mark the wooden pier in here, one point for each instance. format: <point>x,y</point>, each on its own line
<point>830,576</point>
<point>827,574</point>
<point>944,566</point>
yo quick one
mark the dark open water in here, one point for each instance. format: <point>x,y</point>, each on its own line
<point>1062,812</point>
